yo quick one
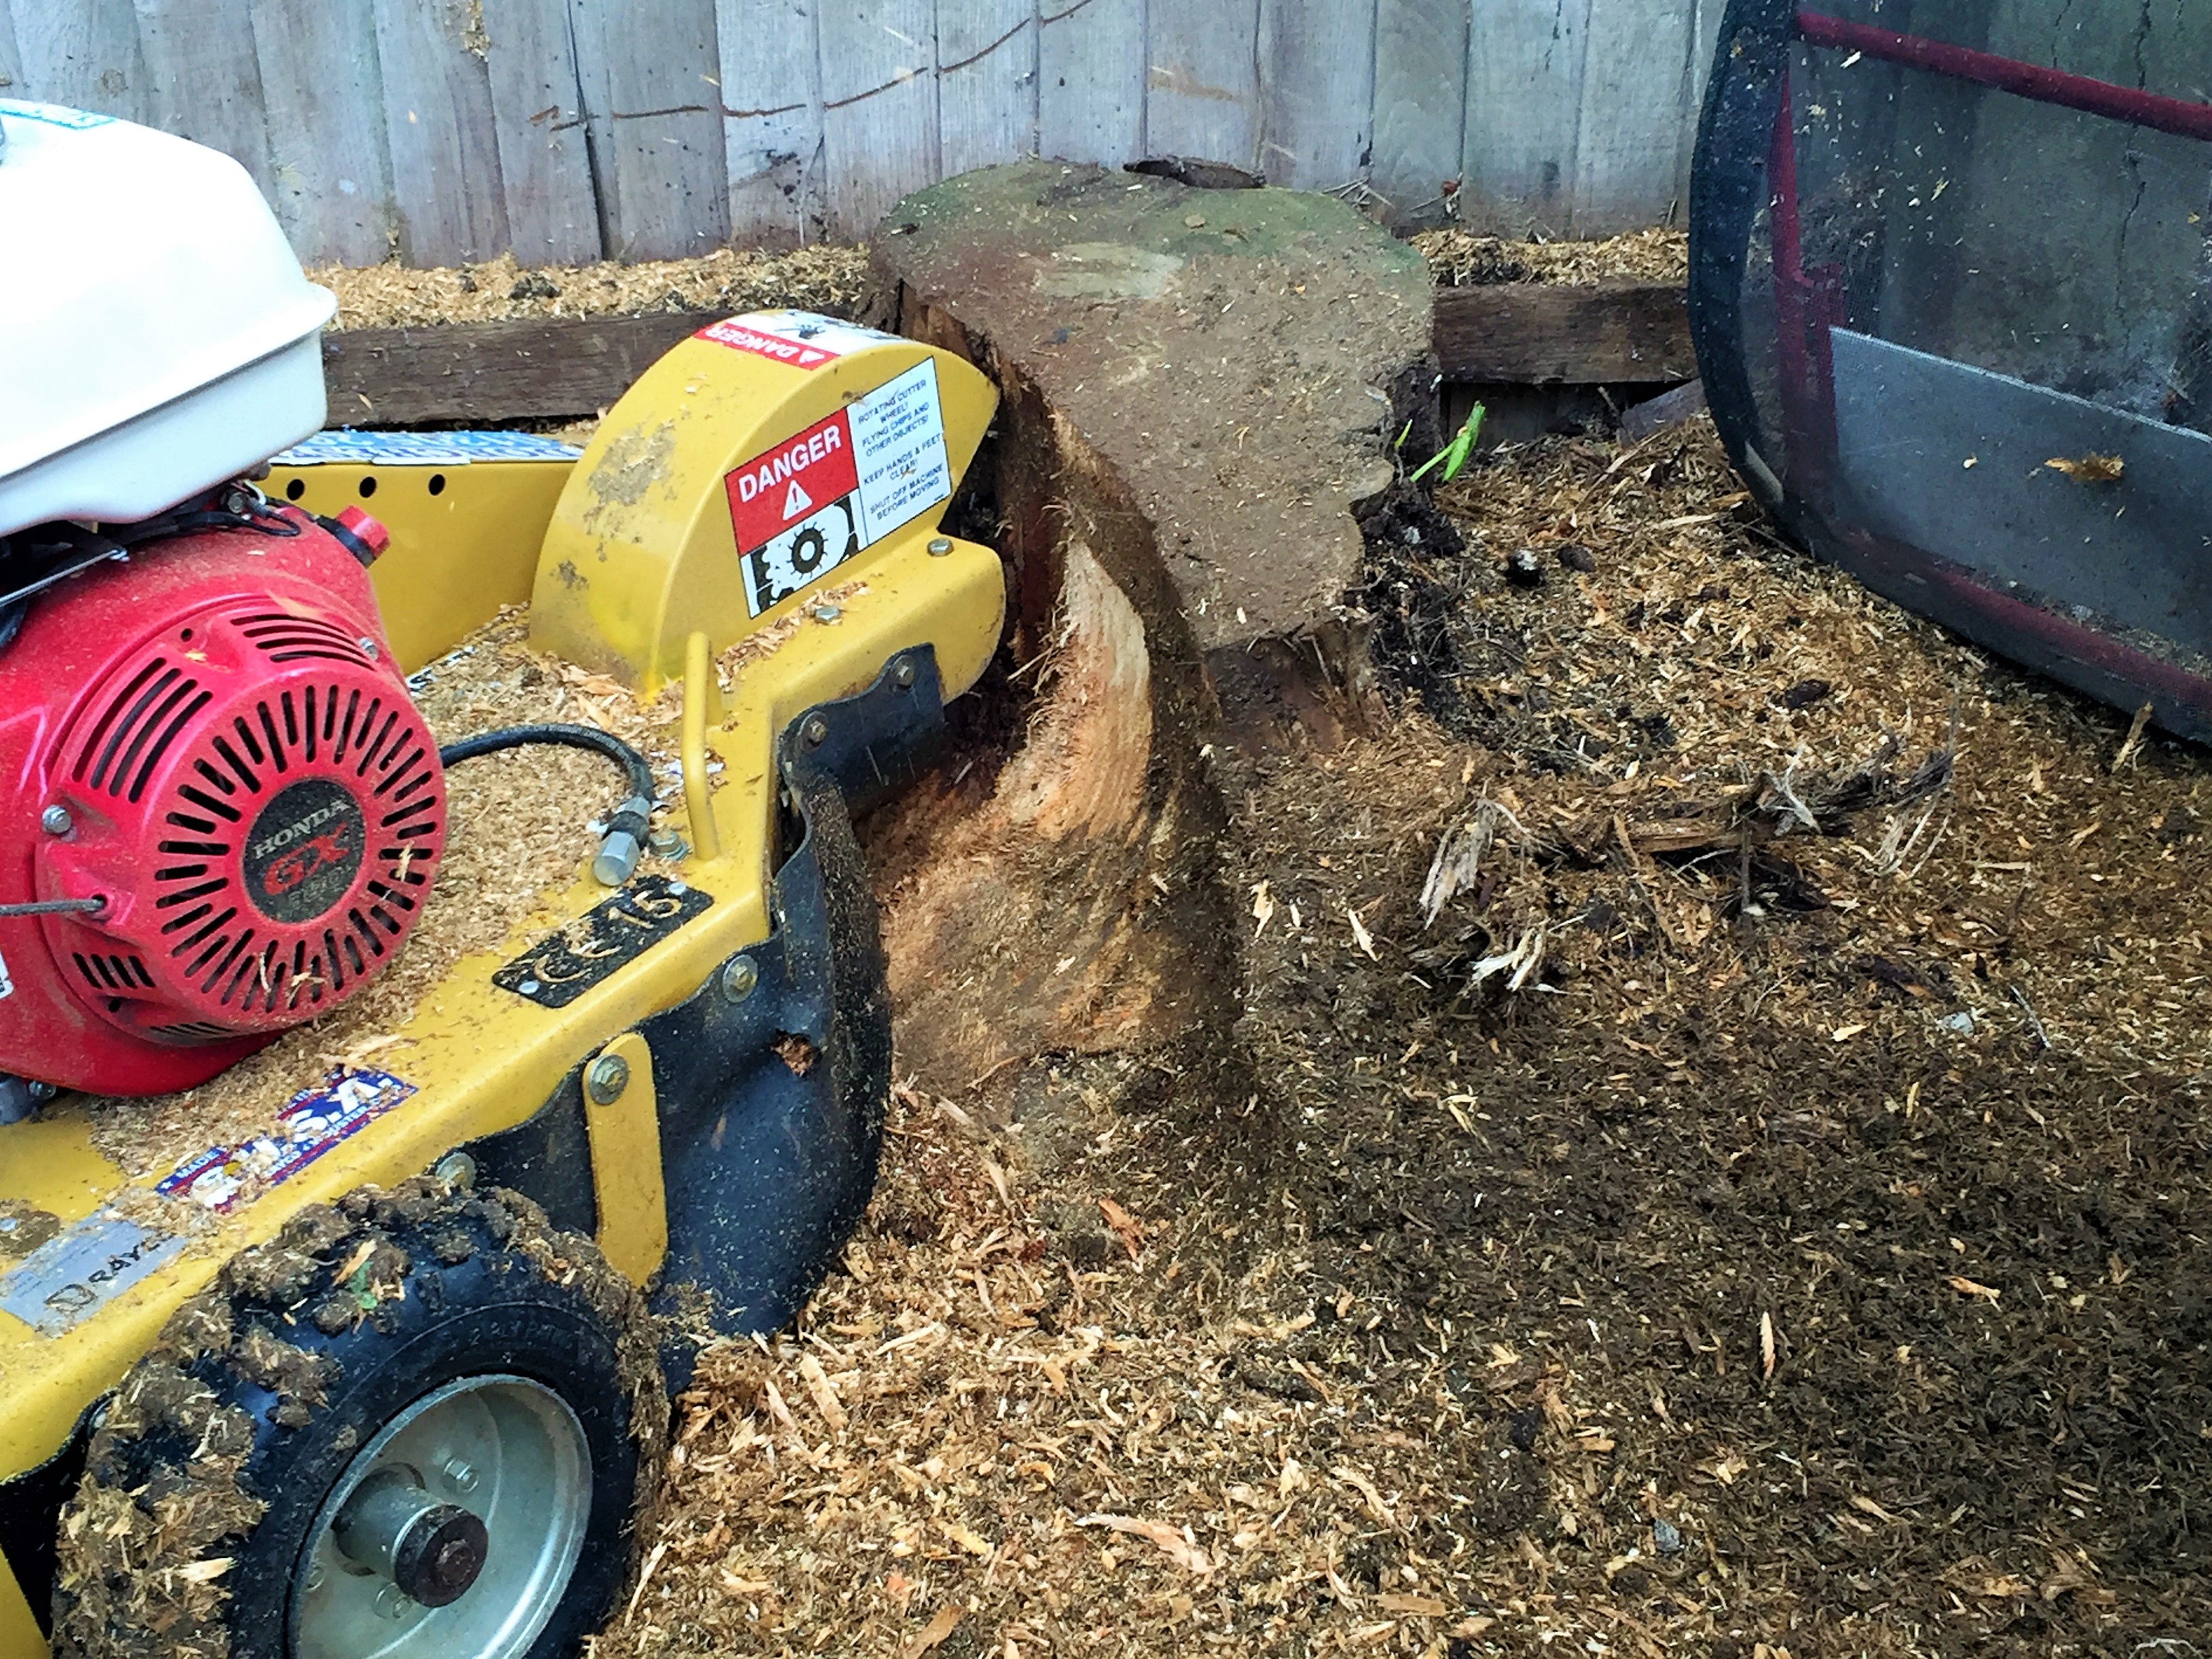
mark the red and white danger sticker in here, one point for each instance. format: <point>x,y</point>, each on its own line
<point>801,339</point>
<point>803,509</point>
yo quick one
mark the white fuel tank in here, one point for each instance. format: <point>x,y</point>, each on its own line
<point>156,334</point>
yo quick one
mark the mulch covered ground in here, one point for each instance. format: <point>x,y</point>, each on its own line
<point>1715,1164</point>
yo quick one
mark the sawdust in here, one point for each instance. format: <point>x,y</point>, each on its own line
<point>518,836</point>
<point>1461,259</point>
<point>832,280</point>
<point>824,279</point>
<point>1621,1312</point>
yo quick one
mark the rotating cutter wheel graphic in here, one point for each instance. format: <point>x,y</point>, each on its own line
<point>802,555</point>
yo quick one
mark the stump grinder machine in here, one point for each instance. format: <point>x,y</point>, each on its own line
<point>389,1377</point>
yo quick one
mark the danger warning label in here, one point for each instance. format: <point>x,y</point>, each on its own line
<point>803,509</point>
<point>772,492</point>
<point>799,338</point>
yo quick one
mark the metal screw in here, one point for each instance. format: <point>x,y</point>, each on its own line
<point>903,674</point>
<point>815,731</point>
<point>393,1603</point>
<point>739,976</point>
<point>462,1477</point>
<point>43,1091</point>
<point>938,547</point>
<point>608,1078</point>
<point>316,1575</point>
<point>55,820</point>
<point>455,1170</point>
<point>827,613</point>
<point>368,646</point>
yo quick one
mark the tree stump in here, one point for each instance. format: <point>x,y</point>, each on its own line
<point>1198,386</point>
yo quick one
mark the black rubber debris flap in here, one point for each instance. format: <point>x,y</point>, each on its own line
<point>1952,291</point>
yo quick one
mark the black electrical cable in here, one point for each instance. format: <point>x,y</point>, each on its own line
<point>623,842</point>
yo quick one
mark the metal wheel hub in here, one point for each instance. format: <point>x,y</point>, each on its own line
<point>453,1534</point>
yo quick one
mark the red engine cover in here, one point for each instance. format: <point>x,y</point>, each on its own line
<point>239,773</point>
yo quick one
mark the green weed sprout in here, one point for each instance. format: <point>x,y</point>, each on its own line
<point>1454,456</point>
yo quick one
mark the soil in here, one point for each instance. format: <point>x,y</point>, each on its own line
<point>1762,1213</point>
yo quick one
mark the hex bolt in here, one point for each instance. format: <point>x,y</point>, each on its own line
<point>903,674</point>
<point>816,731</point>
<point>55,820</point>
<point>827,613</point>
<point>608,1078</point>
<point>462,1475</point>
<point>938,547</point>
<point>667,844</point>
<point>739,977</point>
<point>455,1170</point>
<point>392,1602</point>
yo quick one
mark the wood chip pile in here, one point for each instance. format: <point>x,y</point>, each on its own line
<point>1461,259</point>
<point>825,279</point>
<point>1796,1261</point>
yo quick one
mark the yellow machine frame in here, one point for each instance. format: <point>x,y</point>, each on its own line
<point>629,558</point>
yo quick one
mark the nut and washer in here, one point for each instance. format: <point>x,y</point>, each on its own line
<point>739,977</point>
<point>607,1078</point>
<point>457,1170</point>
<point>903,674</point>
<point>939,547</point>
<point>55,820</point>
<point>815,731</point>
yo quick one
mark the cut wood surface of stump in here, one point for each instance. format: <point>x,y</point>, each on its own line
<point>1198,386</point>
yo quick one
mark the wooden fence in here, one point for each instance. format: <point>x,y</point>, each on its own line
<point>446,130</point>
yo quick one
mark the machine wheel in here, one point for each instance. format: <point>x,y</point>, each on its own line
<point>414,1424</point>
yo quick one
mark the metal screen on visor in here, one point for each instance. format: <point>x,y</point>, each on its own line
<point>1937,249</point>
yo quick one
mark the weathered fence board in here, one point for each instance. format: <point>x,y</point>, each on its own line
<point>445,185</point>
<point>11,60</point>
<point>1090,81</point>
<point>325,94</point>
<point>1316,60</point>
<point>202,79</point>
<point>567,130</point>
<point>1421,105</point>
<point>879,114</point>
<point>987,82</point>
<point>537,121</point>
<point>1202,81</point>
<point>1634,62</point>
<point>772,126</point>
<point>651,77</point>
<point>1524,111</point>
<point>82,52</point>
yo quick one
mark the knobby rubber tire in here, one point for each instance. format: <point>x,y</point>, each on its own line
<point>205,1480</point>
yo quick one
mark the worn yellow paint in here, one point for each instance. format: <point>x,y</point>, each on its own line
<point>640,552</point>
<point>482,1059</point>
<point>626,1177</point>
<point>702,707</point>
<point>456,556</point>
<point>19,1629</point>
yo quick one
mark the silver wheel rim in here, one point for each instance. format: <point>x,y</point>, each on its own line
<point>511,1452</point>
